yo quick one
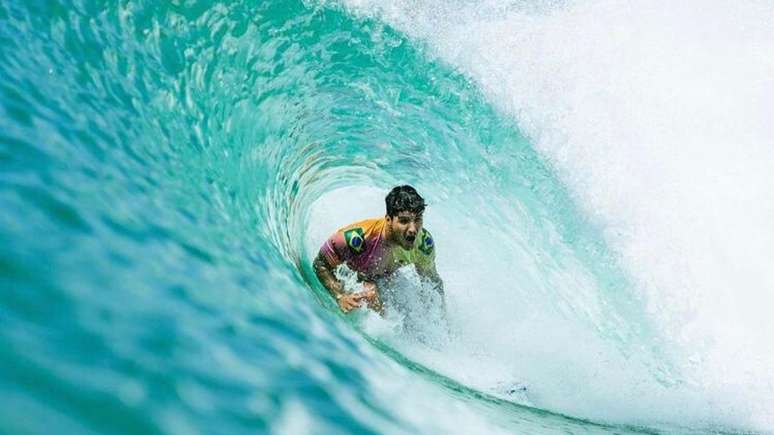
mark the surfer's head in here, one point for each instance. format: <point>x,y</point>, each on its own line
<point>404,215</point>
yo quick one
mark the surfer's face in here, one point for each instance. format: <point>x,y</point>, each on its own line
<point>404,228</point>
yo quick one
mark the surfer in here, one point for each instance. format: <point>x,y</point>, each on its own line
<point>375,248</point>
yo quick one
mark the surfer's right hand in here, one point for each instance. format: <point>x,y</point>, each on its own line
<point>349,301</point>
<point>371,295</point>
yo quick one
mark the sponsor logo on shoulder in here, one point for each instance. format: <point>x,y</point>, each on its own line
<point>426,244</point>
<point>355,240</point>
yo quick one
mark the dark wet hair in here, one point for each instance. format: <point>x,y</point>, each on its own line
<point>404,198</point>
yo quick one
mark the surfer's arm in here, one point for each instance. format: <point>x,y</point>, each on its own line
<point>346,301</point>
<point>328,259</point>
<point>425,262</point>
<point>426,269</point>
<point>432,274</point>
<point>325,274</point>
<point>331,255</point>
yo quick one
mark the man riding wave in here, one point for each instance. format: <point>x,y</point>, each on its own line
<point>376,248</point>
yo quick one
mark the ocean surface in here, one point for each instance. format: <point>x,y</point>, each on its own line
<point>600,189</point>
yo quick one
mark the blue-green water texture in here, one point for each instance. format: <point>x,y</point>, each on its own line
<point>168,170</point>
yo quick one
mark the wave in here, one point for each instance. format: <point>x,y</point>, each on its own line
<point>186,160</point>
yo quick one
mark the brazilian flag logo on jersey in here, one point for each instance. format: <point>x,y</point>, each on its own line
<point>426,243</point>
<point>355,240</point>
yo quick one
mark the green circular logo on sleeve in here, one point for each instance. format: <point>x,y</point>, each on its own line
<point>355,240</point>
<point>426,244</point>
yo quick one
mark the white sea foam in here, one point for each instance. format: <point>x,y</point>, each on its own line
<point>659,118</point>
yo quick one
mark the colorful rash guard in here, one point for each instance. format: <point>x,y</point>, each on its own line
<point>363,248</point>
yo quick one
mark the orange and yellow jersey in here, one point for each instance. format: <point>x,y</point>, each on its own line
<point>363,247</point>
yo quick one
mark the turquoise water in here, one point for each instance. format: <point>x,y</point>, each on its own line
<point>169,169</point>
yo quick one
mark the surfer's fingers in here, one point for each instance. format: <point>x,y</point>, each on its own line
<point>345,304</point>
<point>352,302</point>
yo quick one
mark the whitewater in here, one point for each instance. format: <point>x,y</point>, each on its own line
<point>598,180</point>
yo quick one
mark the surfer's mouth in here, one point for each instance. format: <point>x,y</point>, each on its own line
<point>410,239</point>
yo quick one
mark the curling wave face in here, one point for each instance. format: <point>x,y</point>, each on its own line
<point>168,172</point>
